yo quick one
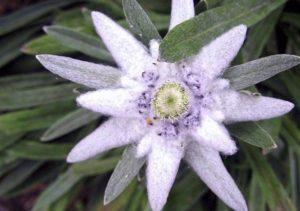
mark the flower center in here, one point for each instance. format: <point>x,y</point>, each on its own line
<point>170,101</point>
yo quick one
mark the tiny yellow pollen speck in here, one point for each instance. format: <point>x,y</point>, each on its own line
<point>149,121</point>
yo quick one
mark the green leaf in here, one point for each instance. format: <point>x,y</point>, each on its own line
<point>139,22</point>
<point>8,140</point>
<point>56,190</point>
<point>212,3</point>
<point>188,38</point>
<point>45,45</point>
<point>18,175</point>
<point>33,119</point>
<point>24,16</point>
<point>86,73</point>
<point>252,133</point>
<point>186,193</point>
<point>251,73</point>
<point>40,176</point>
<point>110,6</point>
<point>259,35</point>
<point>69,123</point>
<point>37,96</point>
<point>34,150</point>
<point>25,81</point>
<point>272,189</point>
<point>127,168</point>
<point>95,167</point>
<point>7,168</point>
<point>291,82</point>
<point>82,42</point>
<point>256,200</point>
<point>10,45</point>
<point>292,18</point>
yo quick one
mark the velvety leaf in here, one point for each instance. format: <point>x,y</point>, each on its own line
<point>272,189</point>
<point>34,150</point>
<point>251,73</point>
<point>127,168</point>
<point>45,45</point>
<point>18,175</point>
<point>22,17</point>
<point>139,22</point>
<point>82,42</point>
<point>37,96</point>
<point>189,37</point>
<point>69,123</point>
<point>252,133</point>
<point>95,167</point>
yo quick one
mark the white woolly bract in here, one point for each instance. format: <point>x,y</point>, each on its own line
<point>211,103</point>
<point>115,132</point>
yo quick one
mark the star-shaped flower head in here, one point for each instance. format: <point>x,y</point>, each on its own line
<point>172,111</point>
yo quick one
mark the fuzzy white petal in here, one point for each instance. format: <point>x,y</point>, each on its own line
<point>114,102</point>
<point>113,133</point>
<point>130,54</point>
<point>182,10</point>
<point>86,73</point>
<point>154,48</point>
<point>162,167</point>
<point>208,164</point>
<point>239,107</point>
<point>144,145</point>
<point>215,57</point>
<point>212,134</point>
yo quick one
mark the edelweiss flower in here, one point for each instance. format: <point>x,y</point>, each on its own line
<point>172,111</point>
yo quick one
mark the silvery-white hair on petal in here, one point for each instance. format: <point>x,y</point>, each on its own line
<point>170,111</point>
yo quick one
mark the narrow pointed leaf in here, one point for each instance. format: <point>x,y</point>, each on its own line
<point>18,175</point>
<point>45,44</point>
<point>95,167</point>
<point>259,35</point>
<point>79,41</point>
<point>189,37</point>
<point>292,18</point>
<point>252,133</point>
<point>22,17</point>
<point>8,140</point>
<point>38,96</point>
<point>272,189</point>
<point>127,168</point>
<point>69,123</point>
<point>251,73</point>
<point>55,190</point>
<point>139,22</point>
<point>10,45</point>
<point>34,150</point>
<point>26,81</point>
<point>33,119</point>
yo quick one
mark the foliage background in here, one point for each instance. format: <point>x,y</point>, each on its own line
<point>40,122</point>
